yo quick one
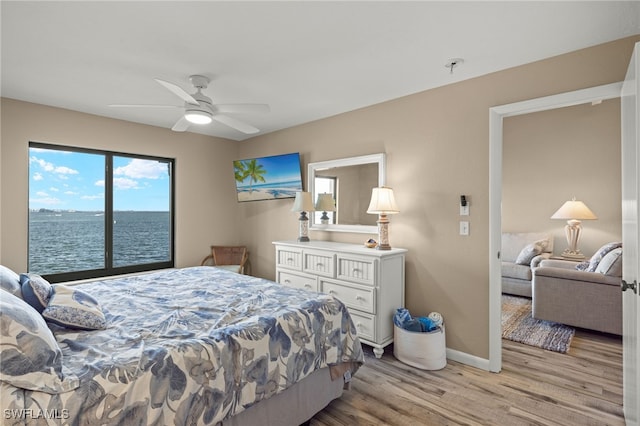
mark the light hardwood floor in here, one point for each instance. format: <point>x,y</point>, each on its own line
<point>535,387</point>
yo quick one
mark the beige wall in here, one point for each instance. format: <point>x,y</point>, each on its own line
<point>206,209</point>
<point>437,147</point>
<point>550,157</point>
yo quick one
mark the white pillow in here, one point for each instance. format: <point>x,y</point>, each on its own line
<point>600,254</point>
<point>530,251</point>
<point>611,263</point>
<point>10,281</point>
<point>31,357</point>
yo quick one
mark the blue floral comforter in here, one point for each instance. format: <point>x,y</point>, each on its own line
<point>193,346</point>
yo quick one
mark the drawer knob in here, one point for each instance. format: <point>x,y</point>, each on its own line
<point>307,286</point>
<point>332,292</point>
<point>360,298</point>
<point>287,281</point>
<point>359,325</point>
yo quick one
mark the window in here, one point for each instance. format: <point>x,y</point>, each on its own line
<point>98,213</point>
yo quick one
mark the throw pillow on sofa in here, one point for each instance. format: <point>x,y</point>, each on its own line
<point>600,254</point>
<point>611,263</point>
<point>530,251</point>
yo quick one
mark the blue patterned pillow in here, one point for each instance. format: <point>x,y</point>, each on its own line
<point>36,291</point>
<point>10,281</point>
<point>31,358</point>
<point>73,308</point>
<point>602,252</point>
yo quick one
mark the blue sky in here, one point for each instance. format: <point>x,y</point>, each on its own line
<point>63,180</point>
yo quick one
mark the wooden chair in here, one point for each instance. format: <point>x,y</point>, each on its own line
<point>231,258</point>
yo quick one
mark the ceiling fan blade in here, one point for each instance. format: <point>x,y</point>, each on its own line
<point>181,125</point>
<point>178,91</point>
<point>144,106</point>
<point>236,124</point>
<point>242,108</point>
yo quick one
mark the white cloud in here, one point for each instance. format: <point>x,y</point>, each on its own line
<point>42,194</point>
<point>53,189</point>
<point>142,169</point>
<point>50,167</point>
<point>63,170</point>
<point>93,197</point>
<point>37,176</point>
<point>124,183</point>
<point>99,183</point>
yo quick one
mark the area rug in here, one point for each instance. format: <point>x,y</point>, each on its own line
<point>519,326</point>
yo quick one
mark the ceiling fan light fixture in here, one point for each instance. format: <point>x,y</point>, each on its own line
<point>197,116</point>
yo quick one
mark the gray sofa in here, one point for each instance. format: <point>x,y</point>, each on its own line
<point>521,253</point>
<point>588,299</point>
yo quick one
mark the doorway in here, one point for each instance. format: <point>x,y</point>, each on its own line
<point>497,114</point>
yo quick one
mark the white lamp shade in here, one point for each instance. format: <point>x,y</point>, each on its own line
<point>325,203</point>
<point>382,201</point>
<point>574,210</point>
<point>303,202</point>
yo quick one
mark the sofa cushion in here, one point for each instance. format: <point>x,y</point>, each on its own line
<point>600,254</point>
<point>513,270</point>
<point>514,242</point>
<point>611,263</point>
<point>530,251</point>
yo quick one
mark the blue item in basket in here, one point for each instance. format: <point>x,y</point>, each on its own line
<point>427,324</point>
<point>403,319</point>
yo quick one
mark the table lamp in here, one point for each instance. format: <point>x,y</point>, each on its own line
<point>573,212</point>
<point>383,203</point>
<point>303,204</point>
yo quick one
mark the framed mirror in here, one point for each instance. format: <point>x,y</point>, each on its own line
<point>348,181</point>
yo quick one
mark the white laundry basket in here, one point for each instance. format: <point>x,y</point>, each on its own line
<point>424,350</point>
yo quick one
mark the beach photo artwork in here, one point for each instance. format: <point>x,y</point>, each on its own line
<point>268,178</point>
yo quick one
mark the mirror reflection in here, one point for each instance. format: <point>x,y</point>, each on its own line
<point>342,190</point>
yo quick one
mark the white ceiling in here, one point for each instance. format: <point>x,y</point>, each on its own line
<point>306,59</point>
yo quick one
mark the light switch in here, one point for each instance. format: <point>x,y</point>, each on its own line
<point>464,228</point>
<point>464,210</point>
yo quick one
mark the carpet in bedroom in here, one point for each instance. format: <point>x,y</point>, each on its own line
<point>519,326</point>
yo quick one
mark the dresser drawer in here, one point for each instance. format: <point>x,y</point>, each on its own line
<point>357,297</point>
<point>319,263</point>
<point>356,269</point>
<point>365,325</point>
<point>289,257</point>
<point>297,281</point>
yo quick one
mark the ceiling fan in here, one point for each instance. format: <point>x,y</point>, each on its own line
<point>199,109</point>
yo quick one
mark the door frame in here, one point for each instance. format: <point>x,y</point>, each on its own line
<point>496,116</point>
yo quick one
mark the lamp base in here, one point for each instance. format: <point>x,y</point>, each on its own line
<point>573,255</point>
<point>303,239</point>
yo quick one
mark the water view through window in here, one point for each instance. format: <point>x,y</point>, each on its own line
<point>97,211</point>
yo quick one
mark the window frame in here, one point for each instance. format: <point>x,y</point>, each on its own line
<point>109,269</point>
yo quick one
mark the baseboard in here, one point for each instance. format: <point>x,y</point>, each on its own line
<point>467,359</point>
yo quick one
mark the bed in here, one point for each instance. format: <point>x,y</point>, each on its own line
<point>198,345</point>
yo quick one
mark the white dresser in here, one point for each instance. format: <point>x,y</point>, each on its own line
<point>369,282</point>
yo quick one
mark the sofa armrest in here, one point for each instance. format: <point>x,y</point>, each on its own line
<point>558,263</point>
<point>535,262</point>
<point>574,274</point>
